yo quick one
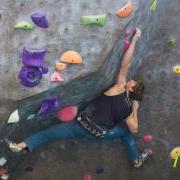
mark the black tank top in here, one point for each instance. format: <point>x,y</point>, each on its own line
<point>108,111</point>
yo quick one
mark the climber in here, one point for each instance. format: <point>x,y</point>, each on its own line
<point>111,115</point>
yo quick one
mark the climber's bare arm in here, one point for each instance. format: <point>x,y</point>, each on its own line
<point>126,63</point>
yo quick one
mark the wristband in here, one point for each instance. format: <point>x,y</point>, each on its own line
<point>135,38</point>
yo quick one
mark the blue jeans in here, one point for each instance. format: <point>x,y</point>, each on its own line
<point>74,130</point>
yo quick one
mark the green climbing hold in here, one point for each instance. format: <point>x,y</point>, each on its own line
<point>66,29</point>
<point>172,42</point>
<point>24,25</point>
<point>153,5</point>
<point>94,20</point>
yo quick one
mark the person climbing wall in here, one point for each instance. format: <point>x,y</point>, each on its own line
<point>113,114</point>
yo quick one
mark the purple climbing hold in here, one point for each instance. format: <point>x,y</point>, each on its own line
<point>34,57</point>
<point>30,76</point>
<point>40,19</point>
<point>44,69</point>
<point>29,169</point>
<point>33,60</point>
<point>99,170</point>
<point>48,106</point>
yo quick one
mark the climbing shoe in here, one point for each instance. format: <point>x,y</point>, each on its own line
<point>14,147</point>
<point>144,156</point>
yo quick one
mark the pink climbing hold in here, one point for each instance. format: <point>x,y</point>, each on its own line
<point>127,33</point>
<point>56,77</point>
<point>126,44</point>
<point>68,113</point>
<point>87,177</point>
<point>3,170</point>
<point>148,138</point>
<point>150,151</point>
<point>128,38</point>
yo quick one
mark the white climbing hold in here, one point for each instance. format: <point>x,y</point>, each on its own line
<point>3,161</point>
<point>14,117</point>
<point>31,116</point>
<point>5,177</point>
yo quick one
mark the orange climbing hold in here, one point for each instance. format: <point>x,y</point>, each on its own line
<point>71,57</point>
<point>125,11</point>
<point>60,66</point>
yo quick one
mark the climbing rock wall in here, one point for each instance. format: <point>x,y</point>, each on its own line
<point>101,48</point>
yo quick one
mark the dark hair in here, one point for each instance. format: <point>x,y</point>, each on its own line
<point>138,91</point>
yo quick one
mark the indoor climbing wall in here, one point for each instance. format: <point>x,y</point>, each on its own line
<point>65,32</point>
<point>55,53</point>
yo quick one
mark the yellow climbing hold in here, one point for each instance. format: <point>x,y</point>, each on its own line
<point>175,162</point>
<point>175,154</point>
<point>176,69</point>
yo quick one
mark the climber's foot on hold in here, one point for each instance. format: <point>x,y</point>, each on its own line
<point>15,147</point>
<point>142,158</point>
<point>21,147</point>
<point>4,172</point>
